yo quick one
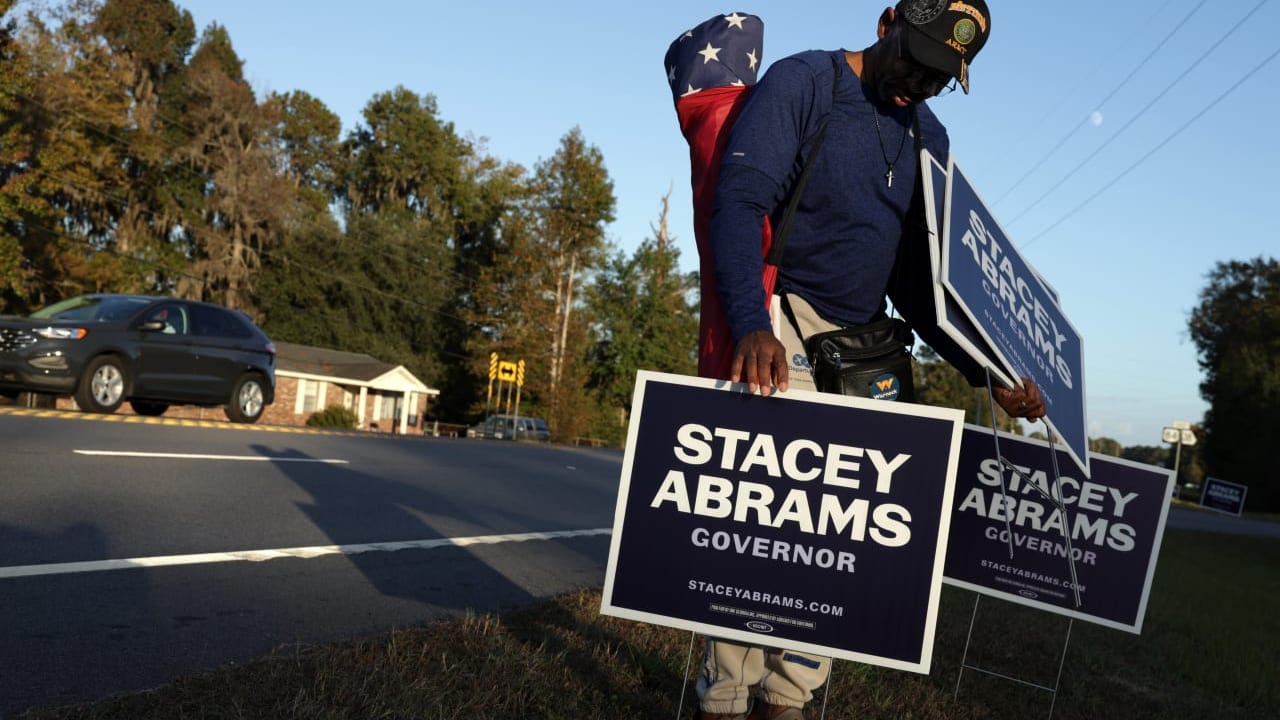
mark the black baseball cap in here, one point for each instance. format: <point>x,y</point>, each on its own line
<point>945,35</point>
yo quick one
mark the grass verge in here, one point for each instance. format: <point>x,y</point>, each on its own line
<point>1207,650</point>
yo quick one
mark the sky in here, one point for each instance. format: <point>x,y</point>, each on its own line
<point>1123,147</point>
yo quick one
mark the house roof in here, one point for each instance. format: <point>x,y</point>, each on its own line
<point>346,368</point>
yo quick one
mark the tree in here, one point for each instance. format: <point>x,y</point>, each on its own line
<point>245,203</point>
<point>374,289</point>
<point>1105,446</point>
<point>151,40</point>
<point>497,298</point>
<point>1236,329</point>
<point>510,308</point>
<point>303,290</point>
<point>939,384</point>
<point>574,201</point>
<point>15,83</point>
<point>524,263</point>
<point>1190,465</point>
<point>64,170</point>
<point>1148,454</point>
<point>404,157</point>
<point>308,146</point>
<point>645,319</point>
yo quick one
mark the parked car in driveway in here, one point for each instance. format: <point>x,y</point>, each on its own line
<point>511,427</point>
<point>104,349</point>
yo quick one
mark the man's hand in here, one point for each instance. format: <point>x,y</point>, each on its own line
<point>1025,403</point>
<point>760,361</point>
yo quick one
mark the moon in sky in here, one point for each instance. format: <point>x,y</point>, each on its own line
<point>1095,119</point>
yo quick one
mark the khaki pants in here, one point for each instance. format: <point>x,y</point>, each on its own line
<point>783,677</point>
<point>800,372</point>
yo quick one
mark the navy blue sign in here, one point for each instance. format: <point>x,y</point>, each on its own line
<point>1223,496</point>
<point>1114,520</point>
<point>807,521</point>
<point>1015,313</point>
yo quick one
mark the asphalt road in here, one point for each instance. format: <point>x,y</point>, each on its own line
<point>132,553</point>
<point>135,551</point>
<point>1212,521</point>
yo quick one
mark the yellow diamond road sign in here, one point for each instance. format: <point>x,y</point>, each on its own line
<point>506,371</point>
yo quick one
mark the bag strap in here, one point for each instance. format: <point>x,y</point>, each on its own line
<point>784,226</point>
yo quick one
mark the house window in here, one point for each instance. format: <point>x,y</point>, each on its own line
<point>390,407</point>
<point>310,392</point>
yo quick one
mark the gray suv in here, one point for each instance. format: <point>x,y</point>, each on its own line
<point>511,427</point>
<point>153,351</point>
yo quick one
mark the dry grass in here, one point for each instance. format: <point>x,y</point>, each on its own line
<point>1207,650</point>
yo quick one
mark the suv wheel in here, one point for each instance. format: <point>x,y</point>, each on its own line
<point>248,400</point>
<point>102,385</point>
<point>148,409</point>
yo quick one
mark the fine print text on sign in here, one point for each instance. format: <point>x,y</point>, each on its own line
<point>1015,312</point>
<point>1114,520</point>
<point>950,316</point>
<point>807,521</point>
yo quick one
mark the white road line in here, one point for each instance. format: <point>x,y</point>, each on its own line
<point>197,456</point>
<point>18,571</point>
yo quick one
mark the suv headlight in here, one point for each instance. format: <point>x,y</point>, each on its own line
<point>53,333</point>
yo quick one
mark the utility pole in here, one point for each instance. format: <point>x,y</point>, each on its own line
<point>1180,434</point>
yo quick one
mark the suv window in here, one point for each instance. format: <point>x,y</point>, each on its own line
<point>173,317</point>
<point>84,307</point>
<point>209,320</point>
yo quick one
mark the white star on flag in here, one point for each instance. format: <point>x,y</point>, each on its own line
<point>690,91</point>
<point>752,60</point>
<point>709,53</point>
<point>735,20</point>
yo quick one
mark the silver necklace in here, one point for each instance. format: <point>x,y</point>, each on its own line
<point>888,164</point>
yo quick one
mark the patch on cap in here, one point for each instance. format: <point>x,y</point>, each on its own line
<point>923,11</point>
<point>946,34</point>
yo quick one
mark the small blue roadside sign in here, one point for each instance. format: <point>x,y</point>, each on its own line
<point>1016,314</point>
<point>1223,496</point>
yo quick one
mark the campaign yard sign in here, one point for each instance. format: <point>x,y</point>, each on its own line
<point>806,521</point>
<point>1223,496</point>
<point>1013,310</point>
<point>1115,520</point>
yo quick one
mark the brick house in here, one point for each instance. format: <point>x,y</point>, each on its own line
<point>384,396</point>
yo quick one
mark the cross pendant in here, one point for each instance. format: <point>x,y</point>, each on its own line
<point>888,177</point>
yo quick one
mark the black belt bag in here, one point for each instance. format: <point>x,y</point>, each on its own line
<point>870,360</point>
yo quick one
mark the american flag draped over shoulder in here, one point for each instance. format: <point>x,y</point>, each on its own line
<point>724,50</point>
<point>710,70</point>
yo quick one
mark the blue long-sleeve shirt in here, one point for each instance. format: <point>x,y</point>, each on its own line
<point>848,224</point>
<point>854,238</point>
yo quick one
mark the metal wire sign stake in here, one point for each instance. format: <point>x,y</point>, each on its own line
<point>1056,499</point>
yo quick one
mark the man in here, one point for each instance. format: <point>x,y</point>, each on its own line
<point>858,212</point>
